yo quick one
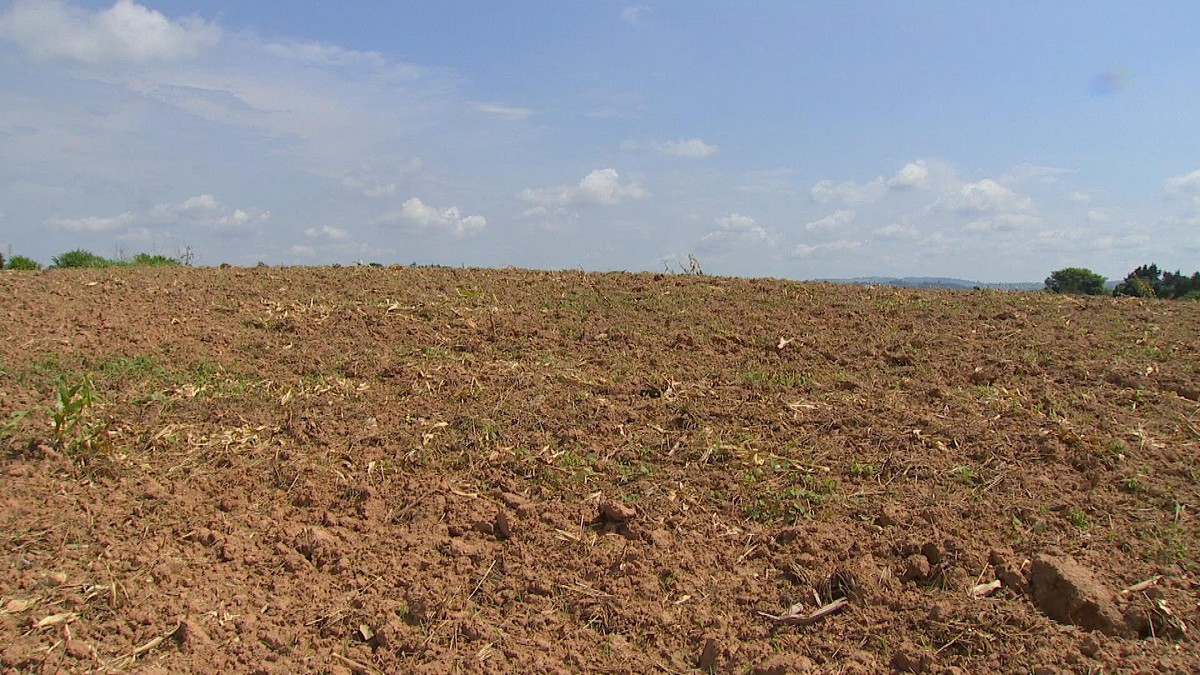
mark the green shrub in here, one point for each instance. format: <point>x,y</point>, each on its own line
<point>80,258</point>
<point>20,262</point>
<point>156,260</point>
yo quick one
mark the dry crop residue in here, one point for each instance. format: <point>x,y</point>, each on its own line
<point>406,470</point>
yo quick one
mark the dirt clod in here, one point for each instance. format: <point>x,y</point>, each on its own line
<point>708,655</point>
<point>1070,593</point>
<point>617,512</point>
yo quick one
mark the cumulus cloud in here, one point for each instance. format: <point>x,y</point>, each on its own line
<point>199,203</point>
<point>914,175</point>
<point>126,32</point>
<point>1187,186</point>
<point>602,187</point>
<point>832,221</point>
<point>895,231</point>
<point>736,227</point>
<point>847,192</point>
<point>202,210</point>
<point>501,111</point>
<point>690,148</point>
<point>807,250</point>
<point>327,232</point>
<point>449,219</point>
<point>986,197</point>
<point>91,223</point>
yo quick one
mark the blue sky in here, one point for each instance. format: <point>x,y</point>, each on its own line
<point>990,141</point>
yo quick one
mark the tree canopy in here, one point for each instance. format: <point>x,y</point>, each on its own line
<point>1147,281</point>
<point>1075,281</point>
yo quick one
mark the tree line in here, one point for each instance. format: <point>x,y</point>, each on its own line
<point>1147,281</point>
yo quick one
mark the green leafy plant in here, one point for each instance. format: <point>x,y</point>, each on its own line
<point>20,262</point>
<point>966,476</point>
<point>72,405</point>
<point>73,431</point>
<point>1078,518</point>
<point>80,258</point>
<point>156,260</point>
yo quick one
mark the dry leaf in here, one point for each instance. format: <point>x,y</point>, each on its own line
<point>55,619</point>
<point>19,605</point>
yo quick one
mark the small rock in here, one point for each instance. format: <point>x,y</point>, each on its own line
<point>617,512</point>
<point>1069,593</point>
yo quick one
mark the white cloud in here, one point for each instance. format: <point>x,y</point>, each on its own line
<point>986,197</point>
<point>1027,172</point>
<point>202,210</point>
<point>125,32</point>
<point>450,219</point>
<point>739,228</point>
<point>205,202</point>
<point>848,192</point>
<point>91,223</point>
<point>601,187</point>
<point>807,250</point>
<point>302,251</point>
<point>327,232</point>
<point>690,148</point>
<point>1187,186</point>
<point>832,221</point>
<point>1003,222</point>
<point>323,54</point>
<point>501,111</point>
<point>235,219</point>
<point>895,231</point>
<point>912,175</point>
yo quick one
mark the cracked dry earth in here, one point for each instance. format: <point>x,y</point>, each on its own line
<point>367,470</point>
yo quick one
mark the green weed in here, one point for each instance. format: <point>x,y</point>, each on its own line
<point>1077,518</point>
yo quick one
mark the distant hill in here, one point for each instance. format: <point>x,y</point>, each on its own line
<point>939,282</point>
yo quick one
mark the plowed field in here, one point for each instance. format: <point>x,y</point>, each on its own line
<point>406,470</point>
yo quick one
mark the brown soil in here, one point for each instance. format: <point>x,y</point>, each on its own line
<point>396,470</point>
